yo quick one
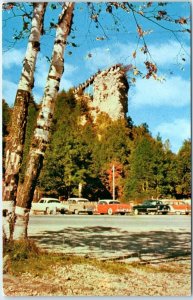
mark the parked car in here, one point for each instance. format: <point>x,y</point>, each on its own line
<point>48,206</point>
<point>80,205</point>
<point>111,207</point>
<point>178,207</point>
<point>151,206</point>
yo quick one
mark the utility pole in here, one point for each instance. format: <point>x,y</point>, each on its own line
<point>113,182</point>
<point>80,190</point>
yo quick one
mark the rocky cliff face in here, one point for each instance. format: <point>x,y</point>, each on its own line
<point>110,93</point>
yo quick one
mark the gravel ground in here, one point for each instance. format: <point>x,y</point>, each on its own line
<point>166,279</point>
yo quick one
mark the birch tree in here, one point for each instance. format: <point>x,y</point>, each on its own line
<point>42,132</point>
<point>15,141</point>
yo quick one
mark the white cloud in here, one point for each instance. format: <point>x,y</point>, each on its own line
<point>13,57</point>
<point>103,57</point>
<point>176,131</point>
<point>9,91</point>
<point>174,92</point>
<point>65,84</point>
<point>164,54</point>
<point>170,52</point>
<point>69,69</point>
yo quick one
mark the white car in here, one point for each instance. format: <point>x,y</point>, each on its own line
<point>48,206</point>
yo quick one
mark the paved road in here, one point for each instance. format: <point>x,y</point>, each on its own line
<point>142,236</point>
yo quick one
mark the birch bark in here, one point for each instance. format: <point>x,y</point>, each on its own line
<point>15,142</point>
<point>42,132</point>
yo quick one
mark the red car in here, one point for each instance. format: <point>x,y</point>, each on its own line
<point>112,207</point>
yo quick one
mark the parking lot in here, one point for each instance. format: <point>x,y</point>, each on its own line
<point>151,237</point>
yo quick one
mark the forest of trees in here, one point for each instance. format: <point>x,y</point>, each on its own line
<point>145,167</point>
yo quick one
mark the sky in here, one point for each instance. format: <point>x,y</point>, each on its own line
<point>163,104</point>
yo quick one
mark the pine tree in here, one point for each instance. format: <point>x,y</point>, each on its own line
<point>183,188</point>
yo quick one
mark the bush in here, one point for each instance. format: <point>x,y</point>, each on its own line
<point>21,250</point>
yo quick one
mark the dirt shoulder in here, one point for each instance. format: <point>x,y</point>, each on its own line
<point>92,279</point>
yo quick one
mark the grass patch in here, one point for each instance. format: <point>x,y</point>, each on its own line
<point>159,268</point>
<point>111,267</point>
<point>25,257</point>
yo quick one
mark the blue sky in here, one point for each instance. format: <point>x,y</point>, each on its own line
<point>164,106</point>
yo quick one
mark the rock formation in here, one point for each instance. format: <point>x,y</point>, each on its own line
<point>110,92</point>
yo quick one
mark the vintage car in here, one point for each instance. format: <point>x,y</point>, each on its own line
<point>79,205</point>
<point>151,206</point>
<point>48,206</point>
<point>111,207</point>
<point>178,207</point>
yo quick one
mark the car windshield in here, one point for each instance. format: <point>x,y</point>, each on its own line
<point>53,201</point>
<point>77,200</point>
<point>83,200</point>
<point>108,202</point>
<point>147,202</point>
<point>153,202</point>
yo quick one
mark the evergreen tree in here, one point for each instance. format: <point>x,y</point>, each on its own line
<point>6,114</point>
<point>144,174</point>
<point>68,157</point>
<point>183,188</point>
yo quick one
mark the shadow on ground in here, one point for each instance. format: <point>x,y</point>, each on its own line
<point>103,240</point>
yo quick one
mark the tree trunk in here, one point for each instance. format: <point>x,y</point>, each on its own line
<point>15,142</point>
<point>42,132</point>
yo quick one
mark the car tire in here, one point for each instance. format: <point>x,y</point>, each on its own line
<point>164,213</point>
<point>90,213</point>
<point>122,214</point>
<point>178,213</point>
<point>110,211</point>
<point>47,211</point>
<point>136,212</point>
<point>62,211</point>
<point>76,212</point>
<point>54,211</point>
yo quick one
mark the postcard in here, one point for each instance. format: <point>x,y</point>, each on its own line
<point>96,148</point>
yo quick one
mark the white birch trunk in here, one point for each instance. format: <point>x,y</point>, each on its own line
<point>8,215</point>
<point>42,132</point>
<point>15,142</point>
